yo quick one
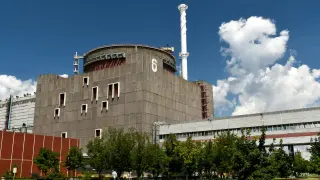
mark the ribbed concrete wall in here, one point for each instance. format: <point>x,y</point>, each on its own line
<point>22,111</point>
<point>21,148</point>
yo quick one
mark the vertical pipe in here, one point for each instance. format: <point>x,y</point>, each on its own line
<point>184,53</point>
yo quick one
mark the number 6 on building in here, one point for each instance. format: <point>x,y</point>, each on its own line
<point>154,65</point>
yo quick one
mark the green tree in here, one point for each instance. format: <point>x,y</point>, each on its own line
<point>189,152</point>
<point>314,165</point>
<point>263,170</point>
<point>139,153</point>
<point>98,155</point>
<point>247,154</point>
<point>158,160</point>
<point>224,148</point>
<point>175,162</point>
<point>74,159</point>
<point>120,144</point>
<point>47,161</point>
<point>282,162</point>
<point>300,165</point>
<point>206,161</point>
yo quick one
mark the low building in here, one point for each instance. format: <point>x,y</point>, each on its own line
<point>20,149</point>
<point>295,127</point>
<point>17,112</point>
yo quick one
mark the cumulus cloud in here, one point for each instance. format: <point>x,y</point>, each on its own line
<point>257,81</point>
<point>64,75</point>
<point>12,85</point>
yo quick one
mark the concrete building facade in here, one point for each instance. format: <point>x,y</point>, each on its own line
<point>17,111</point>
<point>122,86</point>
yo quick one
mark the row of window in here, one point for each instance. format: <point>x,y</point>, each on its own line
<point>253,129</point>
<point>84,108</point>
<point>112,91</point>
<point>97,134</point>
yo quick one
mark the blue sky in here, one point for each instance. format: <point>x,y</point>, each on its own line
<point>41,37</point>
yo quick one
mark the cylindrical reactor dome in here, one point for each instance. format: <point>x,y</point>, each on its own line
<point>116,55</point>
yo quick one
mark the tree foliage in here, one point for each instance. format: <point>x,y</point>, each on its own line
<point>228,156</point>
<point>119,145</point>
<point>98,155</point>
<point>74,159</point>
<point>47,161</point>
<point>158,160</point>
<point>140,153</point>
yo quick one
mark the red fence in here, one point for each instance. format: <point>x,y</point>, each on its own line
<point>21,148</point>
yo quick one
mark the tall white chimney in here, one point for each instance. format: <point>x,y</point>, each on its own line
<point>183,54</point>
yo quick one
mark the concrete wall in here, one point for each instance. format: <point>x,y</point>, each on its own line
<point>145,97</point>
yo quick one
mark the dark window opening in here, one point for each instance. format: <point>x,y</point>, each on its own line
<point>104,104</point>
<point>64,135</point>
<point>62,98</point>
<point>94,93</point>
<point>56,112</point>
<point>98,132</point>
<point>84,107</point>
<point>116,89</point>
<point>110,90</point>
<point>85,81</point>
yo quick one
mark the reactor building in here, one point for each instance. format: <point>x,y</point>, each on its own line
<point>122,86</point>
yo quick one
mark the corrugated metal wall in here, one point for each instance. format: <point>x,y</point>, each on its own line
<point>21,148</point>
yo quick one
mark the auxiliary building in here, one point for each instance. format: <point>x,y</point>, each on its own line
<point>121,86</point>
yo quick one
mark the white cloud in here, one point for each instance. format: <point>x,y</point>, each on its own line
<point>12,85</point>
<point>252,44</point>
<point>64,75</point>
<point>256,80</point>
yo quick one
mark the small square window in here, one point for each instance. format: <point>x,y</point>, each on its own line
<point>86,81</point>
<point>64,134</point>
<point>97,133</point>
<point>104,105</point>
<point>62,99</point>
<point>84,108</point>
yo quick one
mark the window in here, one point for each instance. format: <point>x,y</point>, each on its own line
<point>116,89</point>
<point>56,112</point>
<point>97,133</point>
<point>84,108</point>
<point>95,92</point>
<point>113,90</point>
<point>109,91</point>
<point>62,99</point>
<point>85,81</point>
<point>104,105</point>
<point>64,134</point>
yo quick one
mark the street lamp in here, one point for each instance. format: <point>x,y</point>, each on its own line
<point>114,174</point>
<point>14,171</point>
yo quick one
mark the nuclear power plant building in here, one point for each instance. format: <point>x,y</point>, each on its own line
<point>121,86</point>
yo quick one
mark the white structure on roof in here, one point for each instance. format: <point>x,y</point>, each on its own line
<point>184,53</point>
<point>17,112</point>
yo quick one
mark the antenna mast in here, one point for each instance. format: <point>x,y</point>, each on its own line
<point>184,53</point>
<point>76,63</point>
